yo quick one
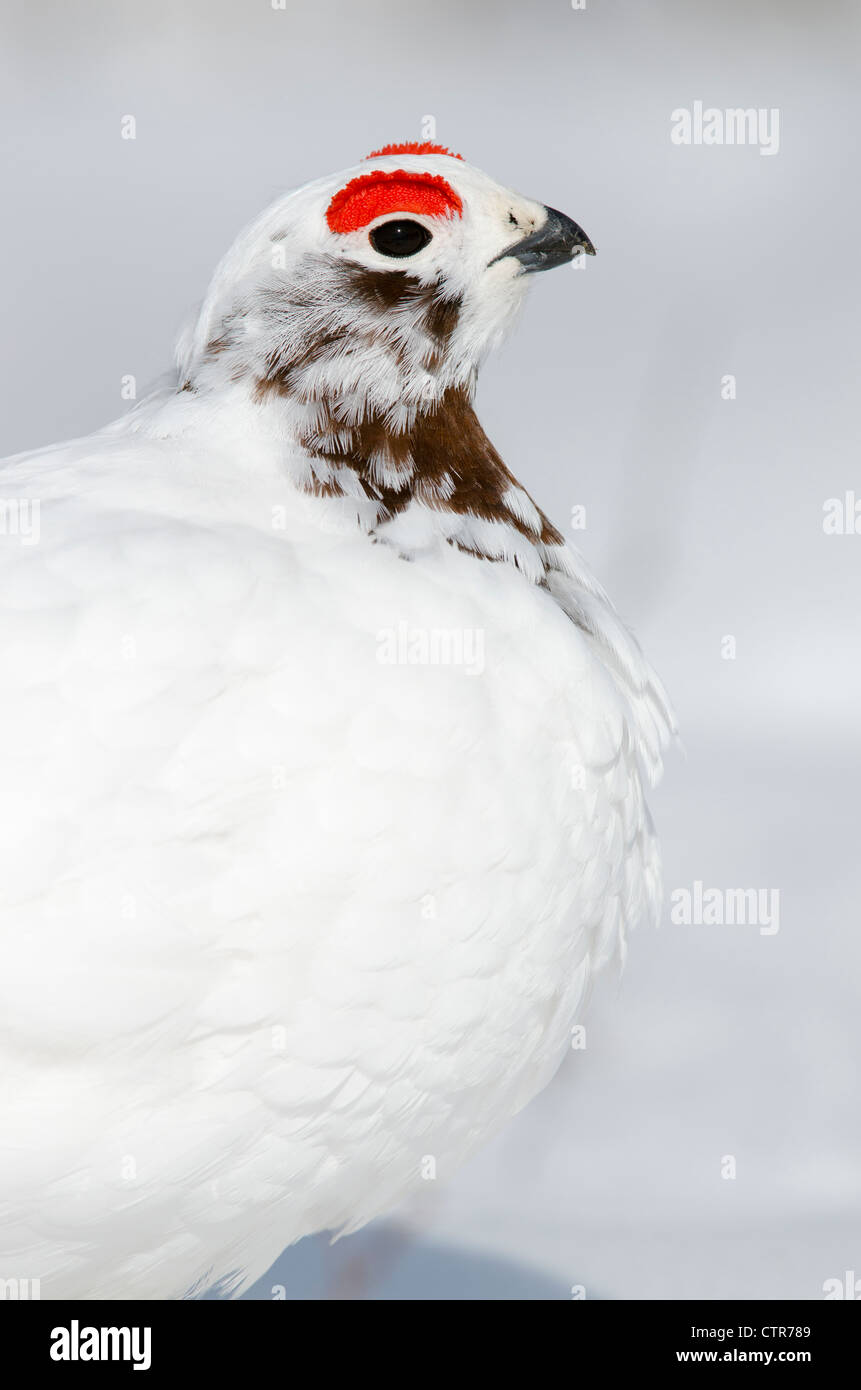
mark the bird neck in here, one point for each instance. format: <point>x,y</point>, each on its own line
<point>365,382</point>
<point>433,461</point>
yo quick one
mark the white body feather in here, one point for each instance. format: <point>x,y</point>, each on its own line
<point>281,916</point>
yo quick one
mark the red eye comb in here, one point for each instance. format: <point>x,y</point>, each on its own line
<point>372,195</point>
<point>413,147</point>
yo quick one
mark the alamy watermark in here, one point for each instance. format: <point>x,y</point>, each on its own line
<point>20,516</point>
<point>709,125</point>
<point>20,1290</point>
<point>711,907</point>
<point>842,515</point>
<point>847,1288</point>
<point>77,1343</point>
<point>405,645</point>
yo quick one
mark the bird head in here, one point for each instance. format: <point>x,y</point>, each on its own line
<point>376,290</point>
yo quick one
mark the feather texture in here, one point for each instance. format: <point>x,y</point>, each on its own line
<point>322,785</point>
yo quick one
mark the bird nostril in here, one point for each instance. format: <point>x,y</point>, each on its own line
<point>556,241</point>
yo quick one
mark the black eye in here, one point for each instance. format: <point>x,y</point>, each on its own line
<point>399,238</point>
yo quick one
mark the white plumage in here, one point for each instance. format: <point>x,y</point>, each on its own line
<point>321,788</point>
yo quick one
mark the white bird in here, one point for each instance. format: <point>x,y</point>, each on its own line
<point>323,767</point>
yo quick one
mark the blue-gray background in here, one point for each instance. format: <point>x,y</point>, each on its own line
<point>704,518</point>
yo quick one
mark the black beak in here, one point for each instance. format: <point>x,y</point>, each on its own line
<point>558,241</point>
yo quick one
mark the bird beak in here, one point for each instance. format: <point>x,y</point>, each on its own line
<point>557,241</point>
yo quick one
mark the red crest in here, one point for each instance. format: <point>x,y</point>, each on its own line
<point>413,147</point>
<point>372,195</point>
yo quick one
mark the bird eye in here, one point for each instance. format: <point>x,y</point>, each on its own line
<point>400,238</point>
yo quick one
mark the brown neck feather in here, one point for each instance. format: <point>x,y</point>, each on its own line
<point>442,459</point>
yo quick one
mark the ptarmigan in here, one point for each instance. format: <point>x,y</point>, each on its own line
<point>322,777</point>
